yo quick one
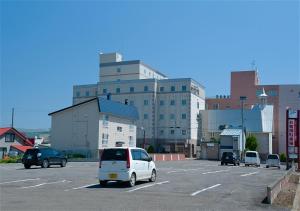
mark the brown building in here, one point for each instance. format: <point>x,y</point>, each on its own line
<point>246,83</point>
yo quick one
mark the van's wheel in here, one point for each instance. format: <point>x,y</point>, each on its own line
<point>63,163</point>
<point>132,180</point>
<point>153,176</point>
<point>222,163</point>
<point>27,166</point>
<point>103,183</point>
<point>45,164</point>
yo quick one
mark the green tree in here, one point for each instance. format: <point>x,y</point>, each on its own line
<point>150,149</point>
<point>251,143</point>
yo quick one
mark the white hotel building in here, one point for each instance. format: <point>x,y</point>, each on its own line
<point>168,108</point>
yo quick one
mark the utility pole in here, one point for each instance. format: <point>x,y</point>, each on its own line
<point>12,117</point>
<point>243,99</point>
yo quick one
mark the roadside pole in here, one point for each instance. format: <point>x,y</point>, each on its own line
<point>298,134</point>
<point>286,139</point>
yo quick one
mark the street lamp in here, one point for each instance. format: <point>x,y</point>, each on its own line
<point>144,135</point>
<point>243,99</point>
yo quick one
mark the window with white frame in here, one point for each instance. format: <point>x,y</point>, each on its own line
<point>183,88</point>
<point>145,88</point>
<point>119,129</point>
<point>131,89</point>
<point>9,137</point>
<point>183,132</point>
<point>172,88</point>
<point>105,120</point>
<point>161,117</point>
<point>172,132</point>
<point>172,102</point>
<point>161,89</point>
<point>183,102</point>
<point>183,116</point>
<point>145,116</point>
<point>146,102</point>
<point>104,91</point>
<point>104,138</point>
<point>131,141</point>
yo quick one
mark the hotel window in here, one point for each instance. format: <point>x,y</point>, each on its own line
<point>183,88</point>
<point>183,102</point>
<point>119,129</point>
<point>161,89</point>
<point>161,116</point>
<point>183,132</point>
<point>161,132</point>
<point>172,88</point>
<point>9,137</point>
<point>104,91</point>
<point>131,89</point>
<point>161,102</point>
<point>146,102</point>
<point>118,90</point>
<point>77,94</point>
<point>172,132</point>
<point>183,116</point>
<point>87,93</point>
<point>145,88</point>
<point>145,116</point>
<point>172,102</point>
<point>118,69</point>
<point>104,138</point>
<point>198,105</point>
<point>131,102</point>
<point>172,116</point>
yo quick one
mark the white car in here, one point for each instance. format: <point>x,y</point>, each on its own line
<point>126,164</point>
<point>273,161</point>
<point>252,158</point>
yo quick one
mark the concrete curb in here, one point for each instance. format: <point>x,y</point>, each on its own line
<point>296,204</point>
<point>274,188</point>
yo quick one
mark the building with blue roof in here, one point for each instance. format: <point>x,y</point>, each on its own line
<point>93,124</point>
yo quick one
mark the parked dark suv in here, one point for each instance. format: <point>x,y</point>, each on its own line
<point>43,157</point>
<point>229,157</point>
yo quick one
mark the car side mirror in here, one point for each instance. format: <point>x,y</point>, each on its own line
<point>150,159</point>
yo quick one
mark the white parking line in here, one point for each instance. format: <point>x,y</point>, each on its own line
<point>84,186</point>
<point>183,170</point>
<point>244,175</point>
<point>147,186</point>
<point>212,172</point>
<point>23,180</point>
<point>199,191</point>
<point>45,183</point>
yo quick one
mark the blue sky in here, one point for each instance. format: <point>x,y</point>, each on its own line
<point>49,46</point>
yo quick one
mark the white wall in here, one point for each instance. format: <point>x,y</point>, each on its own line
<point>76,128</point>
<point>128,129</point>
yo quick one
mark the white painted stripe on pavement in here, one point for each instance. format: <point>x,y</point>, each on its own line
<point>183,170</point>
<point>84,186</point>
<point>199,191</point>
<point>212,172</point>
<point>23,180</point>
<point>147,186</point>
<point>244,175</point>
<point>45,183</point>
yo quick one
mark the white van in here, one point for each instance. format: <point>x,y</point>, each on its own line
<point>125,164</point>
<point>273,161</point>
<point>252,158</point>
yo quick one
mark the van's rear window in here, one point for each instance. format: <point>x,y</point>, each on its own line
<point>114,154</point>
<point>31,151</point>
<point>250,154</point>
<point>272,157</point>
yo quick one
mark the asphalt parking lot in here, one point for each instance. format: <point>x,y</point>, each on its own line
<point>180,185</point>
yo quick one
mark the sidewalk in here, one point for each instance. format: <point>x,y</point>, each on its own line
<point>296,204</point>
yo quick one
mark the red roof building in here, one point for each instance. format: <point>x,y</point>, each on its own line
<point>10,137</point>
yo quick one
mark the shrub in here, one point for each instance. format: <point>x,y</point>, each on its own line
<point>14,159</point>
<point>251,143</point>
<point>282,157</point>
<point>76,155</point>
<point>150,149</point>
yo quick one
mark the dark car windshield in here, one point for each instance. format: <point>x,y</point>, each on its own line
<point>273,157</point>
<point>251,154</point>
<point>114,154</point>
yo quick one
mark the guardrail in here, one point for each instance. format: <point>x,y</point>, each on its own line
<point>276,187</point>
<point>167,156</point>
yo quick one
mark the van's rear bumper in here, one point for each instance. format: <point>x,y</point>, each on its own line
<point>121,175</point>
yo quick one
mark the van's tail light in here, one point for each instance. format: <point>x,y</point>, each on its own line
<point>127,159</point>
